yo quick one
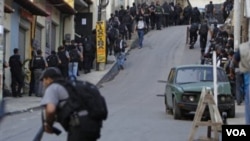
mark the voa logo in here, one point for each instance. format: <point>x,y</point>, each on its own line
<point>236,132</point>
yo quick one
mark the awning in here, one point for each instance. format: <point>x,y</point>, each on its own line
<point>32,7</point>
<point>8,9</point>
<point>63,6</point>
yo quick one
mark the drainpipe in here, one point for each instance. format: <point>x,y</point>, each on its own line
<point>1,58</point>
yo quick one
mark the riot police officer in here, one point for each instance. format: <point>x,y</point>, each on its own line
<point>158,14</point>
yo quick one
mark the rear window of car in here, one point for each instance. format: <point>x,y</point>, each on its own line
<point>199,74</point>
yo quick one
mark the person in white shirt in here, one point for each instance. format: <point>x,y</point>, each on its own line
<point>141,25</point>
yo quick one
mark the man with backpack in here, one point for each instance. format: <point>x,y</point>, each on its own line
<point>53,60</point>
<point>193,34</point>
<point>38,64</point>
<point>210,10</point>
<point>203,31</point>
<point>119,49</point>
<point>63,55</point>
<point>16,73</point>
<point>75,56</point>
<point>113,34</point>
<point>88,53</point>
<point>77,105</point>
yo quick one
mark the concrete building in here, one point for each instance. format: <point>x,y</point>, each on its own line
<point>38,24</point>
<point>45,24</point>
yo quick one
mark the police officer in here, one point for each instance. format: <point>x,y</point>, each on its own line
<point>16,73</point>
<point>88,53</point>
<point>210,10</point>
<point>187,14</point>
<point>195,16</point>
<point>166,9</point>
<point>203,31</point>
<point>158,15</point>
<point>193,34</point>
<point>152,15</point>
<point>63,55</point>
<point>38,64</point>
<point>147,16</point>
<point>54,93</point>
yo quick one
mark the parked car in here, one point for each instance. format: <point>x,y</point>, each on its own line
<point>184,86</point>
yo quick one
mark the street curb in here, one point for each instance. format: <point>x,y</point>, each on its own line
<point>114,69</point>
<point>23,111</point>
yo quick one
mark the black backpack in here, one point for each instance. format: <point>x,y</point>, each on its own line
<point>82,96</point>
<point>52,61</point>
<point>88,47</point>
<point>38,63</point>
<point>194,28</point>
<point>113,34</point>
<point>203,29</point>
<point>74,56</point>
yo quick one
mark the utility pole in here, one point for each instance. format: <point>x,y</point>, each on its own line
<point>237,23</point>
<point>1,56</point>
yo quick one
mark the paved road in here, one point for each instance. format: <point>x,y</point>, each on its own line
<point>136,111</point>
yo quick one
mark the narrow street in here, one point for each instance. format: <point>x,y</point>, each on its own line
<point>134,96</point>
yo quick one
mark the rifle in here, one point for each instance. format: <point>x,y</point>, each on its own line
<point>40,132</point>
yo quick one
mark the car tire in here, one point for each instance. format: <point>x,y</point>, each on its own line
<point>168,110</point>
<point>176,110</point>
<point>231,112</point>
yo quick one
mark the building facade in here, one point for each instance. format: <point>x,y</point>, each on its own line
<point>44,24</point>
<point>38,24</point>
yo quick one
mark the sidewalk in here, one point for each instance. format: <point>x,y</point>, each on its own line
<point>28,104</point>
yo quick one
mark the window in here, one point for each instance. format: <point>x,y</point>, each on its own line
<point>171,76</point>
<point>199,74</point>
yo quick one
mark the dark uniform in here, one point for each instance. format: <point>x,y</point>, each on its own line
<point>64,57</point>
<point>193,34</point>
<point>187,14</point>
<point>158,16</point>
<point>166,8</point>
<point>203,31</point>
<point>152,15</point>
<point>88,53</point>
<point>38,64</point>
<point>16,73</point>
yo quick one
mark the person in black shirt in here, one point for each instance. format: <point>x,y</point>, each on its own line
<point>16,74</point>
<point>210,10</point>
<point>38,64</point>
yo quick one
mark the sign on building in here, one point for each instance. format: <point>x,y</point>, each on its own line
<point>70,2</point>
<point>100,42</point>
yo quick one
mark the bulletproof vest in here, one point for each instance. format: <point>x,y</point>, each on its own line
<point>158,10</point>
<point>52,60</point>
<point>38,63</point>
